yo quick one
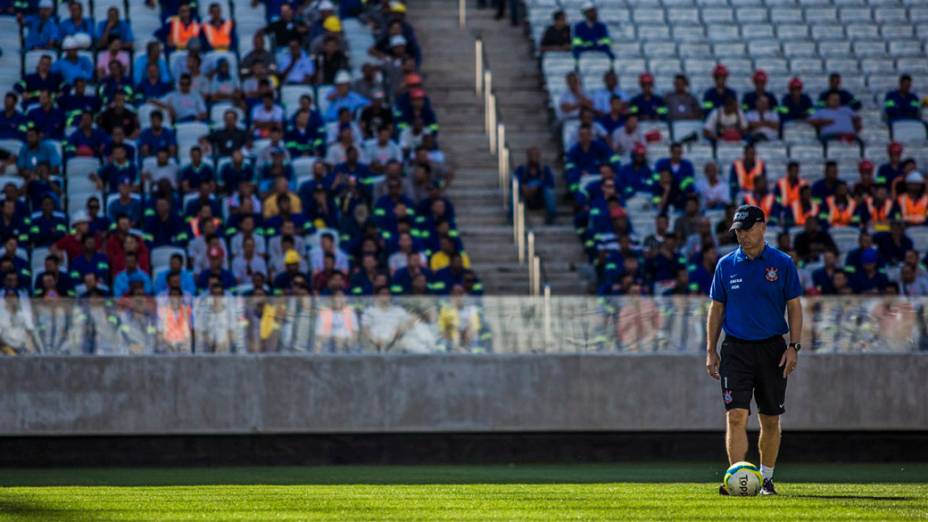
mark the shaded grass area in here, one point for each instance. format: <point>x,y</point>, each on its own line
<point>588,492</point>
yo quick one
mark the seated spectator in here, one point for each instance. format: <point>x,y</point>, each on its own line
<point>835,121</point>
<point>126,203</point>
<point>787,188</point>
<point>175,276</point>
<point>602,97</point>
<point>46,118</point>
<point>823,278</point>
<point>892,172</point>
<point>165,227</point>
<point>813,241</point>
<point>76,24</point>
<point>749,100</point>
<point>117,115</point>
<point>114,29</point>
<point>373,117</point>
<point>216,270</point>
<point>294,66</point>
<point>89,261</point>
<point>879,210</point>
<point>681,168</point>
<point>39,184</point>
<point>132,275</point>
<point>115,52</point>
<point>327,246</point>
<point>912,283</point>
<point>236,172</point>
<point>54,281</point>
<point>714,98</point>
<point>343,97</point>
<point>47,225</point>
<point>293,267</point>
<point>556,37</point>
<point>442,258</point>
<point>71,65</point>
<point>647,105</point>
<point>164,168</point>
<point>714,193</point>
<point>332,28</point>
<point>184,104</point>
<point>893,245</point>
<point>249,262</point>
<point>41,30</point>
<point>585,157</point>
<point>224,141</point>
<point>115,81</point>
<point>913,204</point>
<point>627,137</point>
<point>591,34</point>
<point>33,152</point>
<point>43,79</point>
<point>587,119</point>
<point>667,195</point>
<point>333,59</point>
<point>845,98</point>
<point>574,98</point>
<point>157,137</point>
<point>903,104</point>
<point>763,122</point>
<point>795,104</point>
<point>247,230</point>
<point>152,56</point>
<point>219,34</point>
<point>383,149</point>
<point>745,170</point>
<point>865,184</point>
<point>614,119</point>
<point>804,208</point>
<point>182,31</point>
<point>725,123</point>
<point>116,171</point>
<point>681,104</point>
<point>87,140</point>
<point>152,87</point>
<point>195,173</point>
<point>266,116</point>
<point>869,280</point>
<point>842,208</point>
<point>11,120</point>
<point>75,101</point>
<point>223,86</point>
<point>536,183</point>
<point>258,54</point>
<point>305,138</point>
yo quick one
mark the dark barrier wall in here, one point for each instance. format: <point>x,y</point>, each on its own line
<point>279,394</point>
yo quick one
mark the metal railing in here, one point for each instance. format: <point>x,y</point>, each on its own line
<point>510,192</point>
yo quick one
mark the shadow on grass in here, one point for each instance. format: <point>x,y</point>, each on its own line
<point>31,509</point>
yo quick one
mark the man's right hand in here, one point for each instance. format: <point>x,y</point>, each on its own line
<point>712,364</point>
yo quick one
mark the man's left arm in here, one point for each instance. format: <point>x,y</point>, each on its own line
<point>794,315</point>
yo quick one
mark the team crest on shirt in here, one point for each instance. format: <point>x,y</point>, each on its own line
<point>726,396</point>
<point>771,273</point>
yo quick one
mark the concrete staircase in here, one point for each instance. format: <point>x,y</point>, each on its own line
<point>448,68</point>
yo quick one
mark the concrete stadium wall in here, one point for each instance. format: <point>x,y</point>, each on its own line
<point>278,394</point>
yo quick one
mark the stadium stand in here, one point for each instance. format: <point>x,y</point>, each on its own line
<point>685,108</point>
<point>222,147</point>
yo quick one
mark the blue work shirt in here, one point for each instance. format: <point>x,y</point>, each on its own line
<point>755,292</point>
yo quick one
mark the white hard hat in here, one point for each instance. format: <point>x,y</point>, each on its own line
<point>915,177</point>
<point>587,6</point>
<point>397,39</point>
<point>342,76</point>
<point>80,217</point>
<point>326,5</point>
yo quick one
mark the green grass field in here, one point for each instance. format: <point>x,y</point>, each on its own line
<point>679,491</point>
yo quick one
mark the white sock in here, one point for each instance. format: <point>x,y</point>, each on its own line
<point>766,472</point>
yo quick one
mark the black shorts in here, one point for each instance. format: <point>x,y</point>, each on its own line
<point>752,368</point>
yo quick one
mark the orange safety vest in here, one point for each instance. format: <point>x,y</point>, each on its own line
<point>219,38</point>
<point>182,34</point>
<point>800,215</point>
<point>788,193</point>
<point>879,217</point>
<point>176,324</point>
<point>195,225</point>
<point>839,217</point>
<point>913,212</point>
<point>327,316</point>
<point>765,203</point>
<point>746,178</point>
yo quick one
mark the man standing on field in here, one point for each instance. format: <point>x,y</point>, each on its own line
<point>750,290</point>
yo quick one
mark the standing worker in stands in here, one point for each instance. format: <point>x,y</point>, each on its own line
<point>591,34</point>
<point>219,33</point>
<point>182,30</point>
<point>750,290</point>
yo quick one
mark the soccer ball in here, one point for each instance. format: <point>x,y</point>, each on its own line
<point>743,479</point>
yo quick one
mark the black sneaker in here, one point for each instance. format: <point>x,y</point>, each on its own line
<point>723,491</point>
<point>768,488</point>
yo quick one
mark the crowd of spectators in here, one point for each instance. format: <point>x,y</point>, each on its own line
<point>609,175</point>
<point>340,192</point>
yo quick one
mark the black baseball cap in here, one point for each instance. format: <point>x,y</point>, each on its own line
<point>746,216</point>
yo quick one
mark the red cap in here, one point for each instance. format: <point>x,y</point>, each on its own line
<point>646,78</point>
<point>617,212</point>
<point>865,165</point>
<point>720,70</point>
<point>760,75</point>
<point>215,252</point>
<point>639,148</point>
<point>412,79</point>
<point>795,83</point>
<point>894,148</point>
<point>417,93</point>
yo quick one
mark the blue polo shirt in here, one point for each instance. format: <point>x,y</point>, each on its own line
<point>755,292</point>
